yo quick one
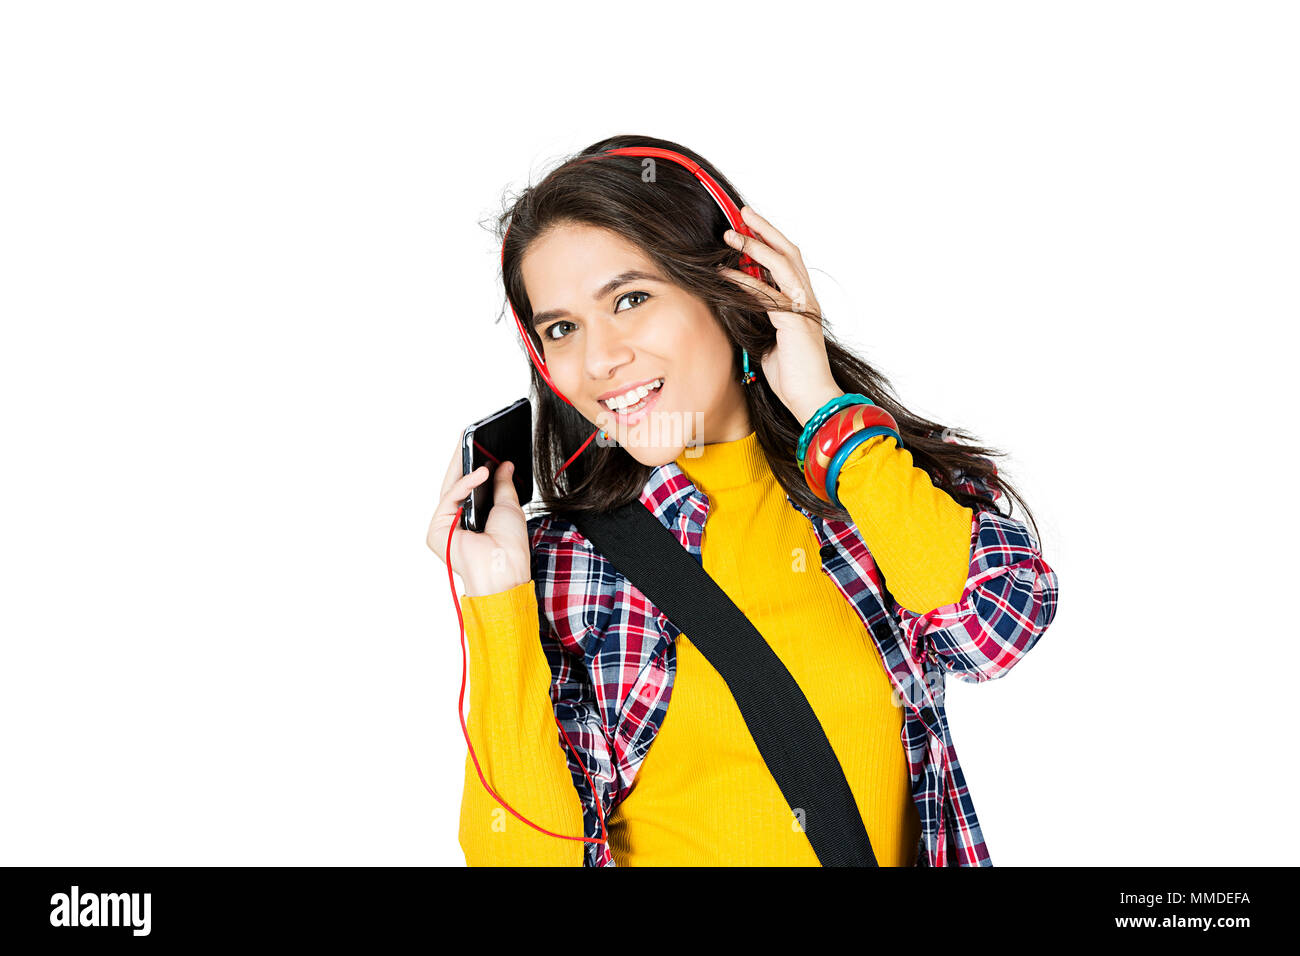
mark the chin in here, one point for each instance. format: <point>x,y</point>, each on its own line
<point>656,456</point>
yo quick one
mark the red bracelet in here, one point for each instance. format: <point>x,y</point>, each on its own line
<point>836,430</point>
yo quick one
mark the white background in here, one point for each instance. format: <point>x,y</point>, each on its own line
<point>248,305</point>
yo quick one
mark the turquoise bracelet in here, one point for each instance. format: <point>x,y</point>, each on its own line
<point>820,418</point>
<point>845,450</point>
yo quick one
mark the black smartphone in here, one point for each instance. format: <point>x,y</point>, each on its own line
<point>506,435</point>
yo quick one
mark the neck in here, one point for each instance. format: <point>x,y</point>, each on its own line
<point>722,465</point>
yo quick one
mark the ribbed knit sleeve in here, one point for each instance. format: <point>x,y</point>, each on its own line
<point>919,536</point>
<point>512,726</point>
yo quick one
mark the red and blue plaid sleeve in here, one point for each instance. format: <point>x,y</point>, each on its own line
<point>1008,602</point>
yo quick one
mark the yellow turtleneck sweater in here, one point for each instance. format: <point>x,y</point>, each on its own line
<point>703,795</point>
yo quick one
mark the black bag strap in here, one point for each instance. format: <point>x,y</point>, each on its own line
<point>777,713</point>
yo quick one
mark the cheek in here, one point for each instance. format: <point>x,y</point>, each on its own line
<point>563,372</point>
<point>713,339</point>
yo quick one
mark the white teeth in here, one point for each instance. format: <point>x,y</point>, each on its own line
<point>632,397</point>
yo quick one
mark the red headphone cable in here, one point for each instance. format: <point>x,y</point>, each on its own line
<point>460,713</point>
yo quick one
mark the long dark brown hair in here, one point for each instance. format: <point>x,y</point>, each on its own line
<point>679,227</point>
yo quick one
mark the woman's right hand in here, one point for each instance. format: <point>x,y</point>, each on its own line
<point>499,557</point>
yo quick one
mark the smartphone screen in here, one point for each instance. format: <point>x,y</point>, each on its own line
<point>506,435</point>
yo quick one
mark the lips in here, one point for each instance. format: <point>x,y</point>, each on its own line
<point>638,413</point>
<point>626,388</point>
<point>652,385</point>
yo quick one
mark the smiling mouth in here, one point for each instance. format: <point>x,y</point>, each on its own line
<point>638,404</point>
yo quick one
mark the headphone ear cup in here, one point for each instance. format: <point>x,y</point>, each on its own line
<point>752,268</point>
<point>748,264</point>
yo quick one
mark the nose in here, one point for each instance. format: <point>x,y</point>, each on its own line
<point>606,351</point>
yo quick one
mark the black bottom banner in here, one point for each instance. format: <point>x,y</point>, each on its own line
<point>131,906</point>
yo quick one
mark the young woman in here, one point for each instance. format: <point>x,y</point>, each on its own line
<point>624,274</point>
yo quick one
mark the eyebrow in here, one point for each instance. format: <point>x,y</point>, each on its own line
<point>621,279</point>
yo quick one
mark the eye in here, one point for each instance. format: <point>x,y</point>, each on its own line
<point>625,295</point>
<point>546,334</point>
<point>555,338</point>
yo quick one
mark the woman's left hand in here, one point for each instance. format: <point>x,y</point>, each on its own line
<point>797,369</point>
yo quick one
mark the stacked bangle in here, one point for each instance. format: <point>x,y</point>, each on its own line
<point>819,418</point>
<point>831,435</point>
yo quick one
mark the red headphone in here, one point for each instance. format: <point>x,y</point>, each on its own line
<point>748,265</point>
